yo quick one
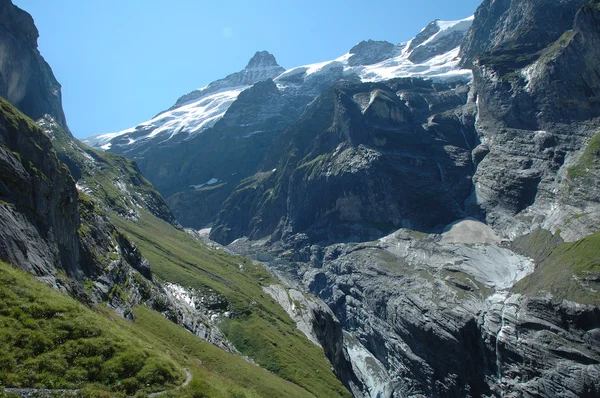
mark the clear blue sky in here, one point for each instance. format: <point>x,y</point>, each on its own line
<point>121,62</point>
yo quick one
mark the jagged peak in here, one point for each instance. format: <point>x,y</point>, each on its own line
<point>262,59</point>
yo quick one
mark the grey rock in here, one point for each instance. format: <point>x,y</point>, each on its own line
<point>26,80</point>
<point>528,25</point>
<point>371,52</point>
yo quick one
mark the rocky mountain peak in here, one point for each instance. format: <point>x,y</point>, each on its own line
<point>431,29</point>
<point>370,52</point>
<point>262,59</point>
<point>437,38</point>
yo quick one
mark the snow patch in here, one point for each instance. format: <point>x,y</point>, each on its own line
<point>180,294</point>
<point>212,181</point>
<point>369,369</point>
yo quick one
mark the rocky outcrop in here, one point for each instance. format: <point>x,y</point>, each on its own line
<point>26,80</point>
<point>437,315</point>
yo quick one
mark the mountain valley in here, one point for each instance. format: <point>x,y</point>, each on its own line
<point>410,220</point>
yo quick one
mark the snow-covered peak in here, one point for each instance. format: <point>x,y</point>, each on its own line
<point>432,54</point>
<point>262,66</point>
<point>437,38</point>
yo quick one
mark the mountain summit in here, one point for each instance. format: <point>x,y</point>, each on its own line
<point>262,59</point>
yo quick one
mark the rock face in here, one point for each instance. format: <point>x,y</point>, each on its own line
<point>39,201</point>
<point>371,52</point>
<point>535,115</point>
<point>520,25</point>
<point>26,80</point>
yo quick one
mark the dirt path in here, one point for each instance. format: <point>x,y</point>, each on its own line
<point>188,379</point>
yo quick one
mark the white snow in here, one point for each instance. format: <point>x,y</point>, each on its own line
<point>193,117</point>
<point>180,294</point>
<point>212,181</point>
<point>447,27</point>
<point>442,67</point>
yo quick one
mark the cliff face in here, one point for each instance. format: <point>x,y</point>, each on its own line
<point>39,200</point>
<point>536,114</point>
<point>26,80</point>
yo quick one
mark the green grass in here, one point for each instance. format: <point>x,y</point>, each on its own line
<point>216,373</point>
<point>589,161</point>
<point>567,271</point>
<point>48,340</point>
<point>15,118</point>
<point>259,327</point>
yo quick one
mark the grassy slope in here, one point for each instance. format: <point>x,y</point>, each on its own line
<point>48,340</point>
<point>567,271</point>
<point>259,327</point>
<point>216,373</point>
<point>112,179</point>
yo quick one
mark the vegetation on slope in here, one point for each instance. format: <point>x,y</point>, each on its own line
<point>258,326</point>
<point>48,340</point>
<point>112,179</point>
<point>215,372</point>
<point>588,162</point>
<point>569,271</point>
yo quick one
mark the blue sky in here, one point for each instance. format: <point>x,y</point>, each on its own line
<point>121,62</point>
